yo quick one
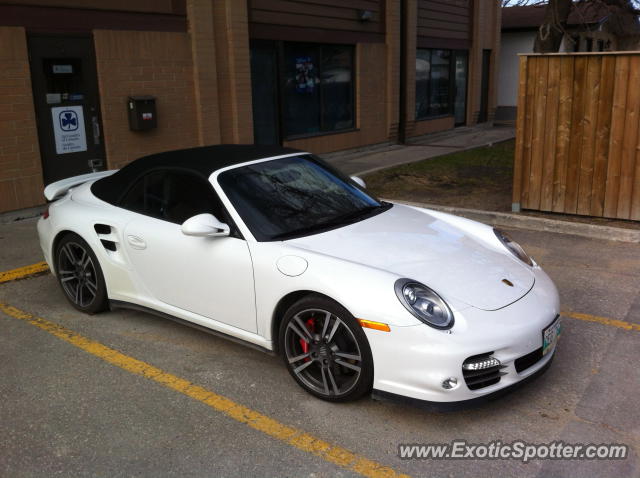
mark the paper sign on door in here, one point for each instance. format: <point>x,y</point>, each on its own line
<point>68,129</point>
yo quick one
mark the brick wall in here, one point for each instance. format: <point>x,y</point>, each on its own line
<point>392,41</point>
<point>486,35</point>
<point>145,63</point>
<point>411,33</point>
<point>231,30</point>
<point>20,170</point>
<point>205,78</point>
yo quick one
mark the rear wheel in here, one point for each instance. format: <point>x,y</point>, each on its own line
<point>325,350</point>
<point>79,275</point>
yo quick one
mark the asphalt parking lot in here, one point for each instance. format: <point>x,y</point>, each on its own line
<point>128,394</point>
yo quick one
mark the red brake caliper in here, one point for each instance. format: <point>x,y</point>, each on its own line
<point>311,325</point>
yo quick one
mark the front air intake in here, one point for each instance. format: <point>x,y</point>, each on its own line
<point>528,361</point>
<point>481,371</point>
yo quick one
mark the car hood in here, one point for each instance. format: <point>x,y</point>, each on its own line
<point>416,245</point>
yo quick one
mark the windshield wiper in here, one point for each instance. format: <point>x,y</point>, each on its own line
<point>343,219</point>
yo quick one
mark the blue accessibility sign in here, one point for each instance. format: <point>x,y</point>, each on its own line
<point>68,120</point>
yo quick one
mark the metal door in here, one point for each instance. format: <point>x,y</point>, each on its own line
<point>65,92</point>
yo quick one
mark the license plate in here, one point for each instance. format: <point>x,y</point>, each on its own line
<point>550,336</point>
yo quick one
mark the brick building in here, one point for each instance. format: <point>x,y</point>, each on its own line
<point>320,75</point>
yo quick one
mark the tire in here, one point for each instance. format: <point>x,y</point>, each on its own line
<point>330,360</point>
<point>79,274</point>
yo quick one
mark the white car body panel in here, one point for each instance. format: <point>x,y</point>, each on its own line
<point>208,276</point>
<point>413,244</point>
<point>409,370</point>
<point>233,286</point>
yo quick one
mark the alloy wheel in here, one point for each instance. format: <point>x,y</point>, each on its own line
<point>77,274</point>
<point>323,352</point>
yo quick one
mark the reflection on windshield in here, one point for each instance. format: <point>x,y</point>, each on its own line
<point>294,196</point>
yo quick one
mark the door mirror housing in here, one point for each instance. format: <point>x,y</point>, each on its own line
<point>359,181</point>
<point>205,225</point>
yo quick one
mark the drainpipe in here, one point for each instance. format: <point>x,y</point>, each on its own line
<point>402,120</point>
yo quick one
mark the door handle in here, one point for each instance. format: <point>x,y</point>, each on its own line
<point>95,165</point>
<point>96,130</point>
<point>136,242</point>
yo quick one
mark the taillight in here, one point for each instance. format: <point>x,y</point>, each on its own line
<point>45,213</point>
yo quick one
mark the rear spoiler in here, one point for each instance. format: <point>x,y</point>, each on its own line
<point>60,188</point>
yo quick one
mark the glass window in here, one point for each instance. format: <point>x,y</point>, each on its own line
<point>172,196</point>
<point>189,196</point>
<point>423,73</point>
<point>337,88</point>
<point>301,90</point>
<point>318,88</point>
<point>147,196</point>
<point>460,97</point>
<point>436,82</point>
<point>439,95</point>
<point>295,196</point>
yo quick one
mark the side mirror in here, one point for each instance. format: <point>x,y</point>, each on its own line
<point>359,181</point>
<point>204,225</point>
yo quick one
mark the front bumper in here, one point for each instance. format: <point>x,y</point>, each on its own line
<point>412,362</point>
<point>462,404</point>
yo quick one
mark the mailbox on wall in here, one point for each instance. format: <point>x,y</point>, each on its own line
<point>142,113</point>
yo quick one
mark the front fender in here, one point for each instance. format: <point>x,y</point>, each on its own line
<point>367,293</point>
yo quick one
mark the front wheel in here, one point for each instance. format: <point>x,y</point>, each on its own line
<point>80,275</point>
<point>325,350</point>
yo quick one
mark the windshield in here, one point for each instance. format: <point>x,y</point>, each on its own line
<point>295,196</point>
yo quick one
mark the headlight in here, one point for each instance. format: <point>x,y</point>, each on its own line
<point>513,247</point>
<point>424,303</point>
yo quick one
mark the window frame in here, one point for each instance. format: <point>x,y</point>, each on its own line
<point>282,88</point>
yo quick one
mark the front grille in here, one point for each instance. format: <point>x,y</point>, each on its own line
<point>476,379</point>
<point>529,360</point>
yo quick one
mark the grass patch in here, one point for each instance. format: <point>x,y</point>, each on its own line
<point>480,178</point>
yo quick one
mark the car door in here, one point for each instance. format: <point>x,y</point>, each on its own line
<point>209,276</point>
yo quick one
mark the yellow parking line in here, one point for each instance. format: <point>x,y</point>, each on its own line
<point>621,324</point>
<point>284,433</point>
<point>22,272</point>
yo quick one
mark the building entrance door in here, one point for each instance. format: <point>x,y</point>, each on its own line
<point>65,93</point>
<point>483,115</point>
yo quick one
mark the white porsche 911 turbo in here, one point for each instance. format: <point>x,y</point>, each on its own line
<point>273,247</point>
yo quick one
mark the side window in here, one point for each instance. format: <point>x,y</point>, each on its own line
<point>172,196</point>
<point>148,196</point>
<point>188,196</point>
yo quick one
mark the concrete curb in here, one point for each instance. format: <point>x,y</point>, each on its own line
<point>21,214</point>
<point>445,151</point>
<point>520,221</point>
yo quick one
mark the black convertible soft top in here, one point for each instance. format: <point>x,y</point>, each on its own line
<point>202,161</point>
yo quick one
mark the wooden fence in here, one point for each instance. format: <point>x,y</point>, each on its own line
<point>577,139</point>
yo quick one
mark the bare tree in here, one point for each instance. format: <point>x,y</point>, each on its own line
<point>553,26</point>
<point>622,16</point>
<point>623,22</point>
